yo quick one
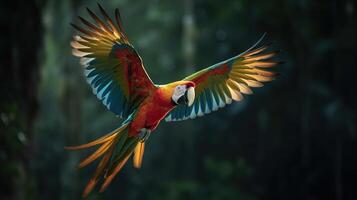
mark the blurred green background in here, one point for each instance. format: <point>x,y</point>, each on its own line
<point>295,138</point>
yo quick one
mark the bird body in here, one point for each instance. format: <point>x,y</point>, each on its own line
<point>155,107</point>
<point>117,76</point>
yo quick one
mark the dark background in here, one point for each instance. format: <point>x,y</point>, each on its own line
<point>295,138</point>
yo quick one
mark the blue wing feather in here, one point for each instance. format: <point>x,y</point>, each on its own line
<point>203,102</point>
<point>213,87</point>
<point>209,100</point>
<point>105,88</point>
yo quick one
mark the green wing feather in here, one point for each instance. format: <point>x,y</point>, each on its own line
<point>226,81</point>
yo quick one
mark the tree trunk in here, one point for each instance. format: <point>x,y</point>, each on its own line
<point>19,73</point>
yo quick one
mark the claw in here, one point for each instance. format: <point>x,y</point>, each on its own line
<point>144,134</point>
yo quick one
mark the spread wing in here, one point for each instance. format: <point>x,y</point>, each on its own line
<point>226,81</point>
<point>112,66</point>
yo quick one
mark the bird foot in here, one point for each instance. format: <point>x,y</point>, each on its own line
<point>144,134</point>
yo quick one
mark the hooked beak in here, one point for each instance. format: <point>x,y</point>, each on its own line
<point>187,98</point>
<point>190,94</point>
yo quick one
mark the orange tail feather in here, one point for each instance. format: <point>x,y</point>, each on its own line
<point>138,154</point>
<point>112,160</point>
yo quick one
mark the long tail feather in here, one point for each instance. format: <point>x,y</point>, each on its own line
<point>138,154</point>
<point>109,179</point>
<point>101,150</point>
<point>98,172</point>
<point>98,141</point>
<point>115,149</point>
<point>118,163</point>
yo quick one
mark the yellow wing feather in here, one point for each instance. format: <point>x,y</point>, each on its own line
<point>221,83</point>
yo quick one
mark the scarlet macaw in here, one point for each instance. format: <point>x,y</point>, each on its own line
<point>115,72</point>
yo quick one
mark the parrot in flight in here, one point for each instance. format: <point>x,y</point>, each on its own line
<point>116,74</point>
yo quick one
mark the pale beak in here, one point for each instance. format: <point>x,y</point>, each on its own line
<point>190,96</point>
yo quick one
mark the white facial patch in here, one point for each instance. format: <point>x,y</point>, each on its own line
<point>178,92</point>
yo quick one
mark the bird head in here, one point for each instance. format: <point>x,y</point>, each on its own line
<point>184,93</point>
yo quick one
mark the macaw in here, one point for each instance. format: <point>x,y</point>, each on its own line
<point>117,76</point>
